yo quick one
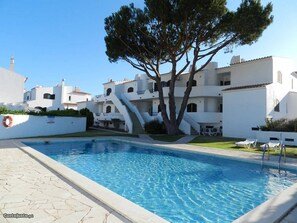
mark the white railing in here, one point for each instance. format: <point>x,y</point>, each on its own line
<point>133,108</point>
<point>185,127</point>
<point>101,98</point>
<point>147,94</point>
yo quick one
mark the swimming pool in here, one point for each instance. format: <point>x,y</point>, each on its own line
<point>178,186</point>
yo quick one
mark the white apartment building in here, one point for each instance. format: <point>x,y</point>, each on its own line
<point>59,97</point>
<point>11,88</point>
<point>230,100</point>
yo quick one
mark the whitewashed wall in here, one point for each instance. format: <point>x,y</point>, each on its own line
<point>252,72</point>
<point>243,109</point>
<point>292,108</point>
<point>29,126</point>
<point>11,86</point>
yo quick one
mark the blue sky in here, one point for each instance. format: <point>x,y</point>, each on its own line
<point>55,39</point>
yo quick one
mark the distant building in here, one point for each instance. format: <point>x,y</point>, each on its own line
<point>231,100</point>
<point>11,88</point>
<point>59,97</point>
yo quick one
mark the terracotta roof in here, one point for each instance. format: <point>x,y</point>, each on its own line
<point>78,92</point>
<point>246,87</point>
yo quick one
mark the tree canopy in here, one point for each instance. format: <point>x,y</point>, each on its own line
<point>181,32</point>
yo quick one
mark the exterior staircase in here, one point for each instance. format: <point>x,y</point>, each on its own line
<point>195,127</point>
<point>136,118</point>
<point>137,128</point>
<point>123,110</point>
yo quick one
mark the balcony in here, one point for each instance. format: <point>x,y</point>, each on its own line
<point>147,94</point>
<point>197,91</point>
<point>207,91</point>
<point>101,98</point>
<point>206,117</point>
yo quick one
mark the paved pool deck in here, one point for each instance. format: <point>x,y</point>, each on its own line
<point>52,193</point>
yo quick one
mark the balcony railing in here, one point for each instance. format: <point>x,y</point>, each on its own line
<point>108,116</point>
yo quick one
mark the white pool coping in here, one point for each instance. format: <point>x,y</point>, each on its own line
<point>273,210</point>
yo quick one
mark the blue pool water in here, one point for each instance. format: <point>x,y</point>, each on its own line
<point>178,186</point>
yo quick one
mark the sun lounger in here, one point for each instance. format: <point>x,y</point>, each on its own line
<point>271,145</point>
<point>247,143</point>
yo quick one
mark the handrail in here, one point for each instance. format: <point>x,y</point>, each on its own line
<point>265,149</point>
<point>192,122</point>
<point>282,150</point>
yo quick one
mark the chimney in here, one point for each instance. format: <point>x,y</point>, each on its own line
<point>12,64</point>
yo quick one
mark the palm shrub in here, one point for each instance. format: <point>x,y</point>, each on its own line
<point>154,127</point>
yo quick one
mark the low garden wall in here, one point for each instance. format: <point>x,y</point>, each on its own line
<point>30,126</point>
<point>288,138</point>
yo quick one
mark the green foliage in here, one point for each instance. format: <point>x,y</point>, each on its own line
<point>154,127</point>
<point>4,110</point>
<point>67,112</point>
<point>168,31</point>
<point>165,29</point>
<point>89,115</point>
<point>280,125</point>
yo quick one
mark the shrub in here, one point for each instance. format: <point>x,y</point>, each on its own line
<point>280,125</point>
<point>89,115</point>
<point>154,127</point>
<point>67,112</point>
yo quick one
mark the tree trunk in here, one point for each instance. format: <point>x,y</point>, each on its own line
<point>172,129</point>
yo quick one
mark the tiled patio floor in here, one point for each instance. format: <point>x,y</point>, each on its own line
<point>27,187</point>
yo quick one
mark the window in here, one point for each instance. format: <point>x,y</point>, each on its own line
<point>69,98</point>
<point>276,107</point>
<point>279,77</point>
<point>225,82</point>
<point>46,96</point>
<point>130,89</point>
<point>194,83</point>
<point>192,107</point>
<point>28,98</point>
<point>49,96</point>
<point>108,109</point>
<point>108,91</point>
